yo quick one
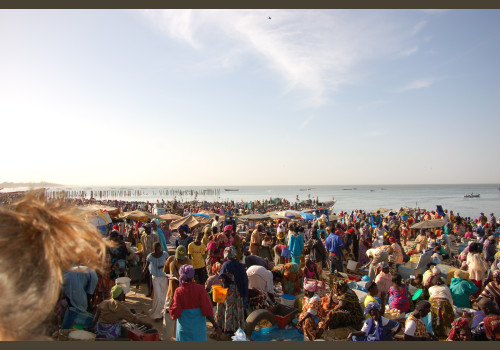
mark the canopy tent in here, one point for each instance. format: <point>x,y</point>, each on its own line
<point>190,221</point>
<point>170,217</point>
<point>138,215</point>
<point>254,217</point>
<point>436,223</point>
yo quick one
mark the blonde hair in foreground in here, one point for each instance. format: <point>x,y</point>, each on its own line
<point>38,241</point>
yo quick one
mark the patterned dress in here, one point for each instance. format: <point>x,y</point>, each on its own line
<point>442,316</point>
<point>230,315</point>
<point>399,299</point>
<point>349,315</point>
<point>311,325</point>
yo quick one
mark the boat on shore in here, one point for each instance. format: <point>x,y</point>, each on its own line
<point>472,195</point>
<point>228,189</point>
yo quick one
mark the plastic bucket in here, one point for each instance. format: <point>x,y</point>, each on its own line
<point>124,282</point>
<point>219,294</point>
<point>288,300</point>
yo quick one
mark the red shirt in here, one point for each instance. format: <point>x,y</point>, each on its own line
<point>190,295</point>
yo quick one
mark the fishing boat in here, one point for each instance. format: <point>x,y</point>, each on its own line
<point>228,189</point>
<point>472,195</point>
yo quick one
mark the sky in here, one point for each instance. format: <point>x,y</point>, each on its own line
<point>231,97</point>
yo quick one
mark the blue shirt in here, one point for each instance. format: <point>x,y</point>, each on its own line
<point>334,244</point>
<point>78,282</point>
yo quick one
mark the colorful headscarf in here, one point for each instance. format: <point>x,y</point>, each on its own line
<point>116,291</point>
<point>456,327</point>
<point>341,287</point>
<point>372,305</point>
<point>230,253</point>
<point>228,228</point>
<point>313,286</point>
<point>220,238</point>
<point>185,228</point>
<point>216,268</point>
<point>186,273</point>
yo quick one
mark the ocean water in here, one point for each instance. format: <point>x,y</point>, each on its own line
<point>348,197</point>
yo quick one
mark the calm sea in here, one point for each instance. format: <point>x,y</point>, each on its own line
<point>348,197</point>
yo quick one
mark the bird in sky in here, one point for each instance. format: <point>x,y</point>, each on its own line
<point>269,17</point>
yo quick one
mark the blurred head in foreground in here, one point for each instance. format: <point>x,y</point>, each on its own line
<point>39,240</point>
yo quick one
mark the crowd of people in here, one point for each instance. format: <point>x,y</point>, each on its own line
<point>255,264</point>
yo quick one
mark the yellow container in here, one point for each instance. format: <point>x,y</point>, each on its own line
<point>219,294</point>
<point>415,257</point>
<point>139,246</point>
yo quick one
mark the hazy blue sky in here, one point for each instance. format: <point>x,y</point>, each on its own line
<point>214,97</point>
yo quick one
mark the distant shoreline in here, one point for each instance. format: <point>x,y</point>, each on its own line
<point>27,184</point>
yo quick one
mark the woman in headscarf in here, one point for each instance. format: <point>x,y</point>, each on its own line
<point>292,276</point>
<point>214,277</point>
<point>462,289</point>
<point>376,327</point>
<point>492,289</point>
<point>172,266</point>
<point>230,315</point>
<point>397,251</point>
<point>207,235</point>
<point>460,330</point>
<point>191,307</point>
<point>215,249</point>
<point>110,313</point>
<point>312,310</point>
<point>365,244</point>
<point>383,280</point>
<point>155,228</point>
<point>441,306</point>
<point>295,244</point>
<point>477,267</point>
<point>347,312</point>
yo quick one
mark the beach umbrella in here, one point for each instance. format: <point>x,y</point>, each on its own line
<point>202,215</point>
<point>290,214</point>
<point>436,223</point>
<point>254,217</point>
<point>99,218</point>
<point>112,211</point>
<point>381,210</point>
<point>278,217</point>
<point>136,215</point>
<point>170,217</point>
<point>307,216</point>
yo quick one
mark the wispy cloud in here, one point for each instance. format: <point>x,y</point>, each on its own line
<point>315,52</point>
<point>418,84</point>
<point>418,27</point>
<point>307,121</point>
<point>410,51</point>
<point>374,133</point>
